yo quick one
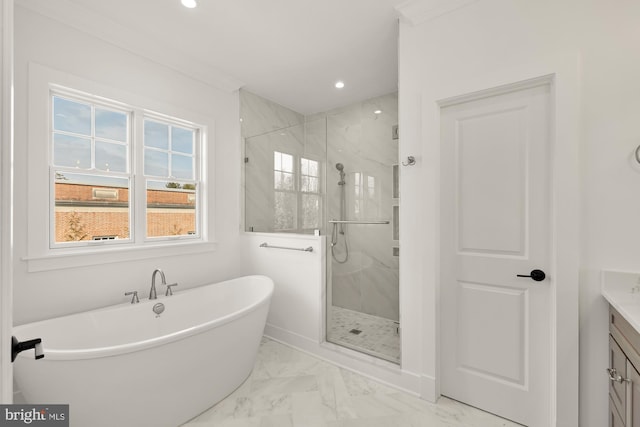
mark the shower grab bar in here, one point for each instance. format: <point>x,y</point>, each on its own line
<point>336,221</point>
<point>265,245</point>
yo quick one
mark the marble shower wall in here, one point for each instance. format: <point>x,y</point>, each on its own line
<point>362,141</point>
<point>268,127</point>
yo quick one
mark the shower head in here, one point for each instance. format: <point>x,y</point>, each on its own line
<point>340,168</point>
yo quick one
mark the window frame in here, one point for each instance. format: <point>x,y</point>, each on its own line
<point>135,169</point>
<point>39,256</point>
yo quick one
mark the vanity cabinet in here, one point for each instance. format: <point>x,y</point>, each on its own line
<point>624,379</point>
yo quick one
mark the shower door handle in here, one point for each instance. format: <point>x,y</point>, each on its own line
<point>340,221</point>
<point>537,275</point>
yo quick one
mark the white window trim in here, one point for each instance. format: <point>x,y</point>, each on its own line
<point>40,257</point>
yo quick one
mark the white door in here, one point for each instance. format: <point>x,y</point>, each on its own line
<point>495,326</point>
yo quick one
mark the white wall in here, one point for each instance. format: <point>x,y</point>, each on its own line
<point>298,297</point>
<point>590,47</point>
<point>296,315</point>
<point>40,295</point>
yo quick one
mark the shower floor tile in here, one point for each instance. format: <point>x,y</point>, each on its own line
<point>378,336</point>
<point>289,388</point>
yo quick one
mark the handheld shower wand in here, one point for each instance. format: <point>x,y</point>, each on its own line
<point>340,168</point>
<point>339,228</point>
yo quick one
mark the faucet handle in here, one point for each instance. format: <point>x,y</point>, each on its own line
<point>134,298</point>
<point>169,291</point>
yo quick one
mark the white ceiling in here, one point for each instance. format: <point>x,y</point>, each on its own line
<point>289,51</point>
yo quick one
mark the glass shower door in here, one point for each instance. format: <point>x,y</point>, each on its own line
<point>362,239</point>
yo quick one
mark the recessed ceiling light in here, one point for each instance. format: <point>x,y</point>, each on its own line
<point>189,3</point>
<point>339,84</point>
<point>377,112</point>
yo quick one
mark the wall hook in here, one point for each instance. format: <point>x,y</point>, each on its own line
<point>410,161</point>
<point>638,154</point>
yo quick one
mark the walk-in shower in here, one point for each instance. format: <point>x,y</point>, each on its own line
<point>335,172</point>
<point>362,218</point>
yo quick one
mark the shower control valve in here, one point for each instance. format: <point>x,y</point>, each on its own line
<point>169,291</point>
<point>134,297</point>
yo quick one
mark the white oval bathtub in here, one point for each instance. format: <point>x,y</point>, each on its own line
<point>125,366</point>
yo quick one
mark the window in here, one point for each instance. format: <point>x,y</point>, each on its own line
<point>169,168</point>
<point>111,185</point>
<point>297,197</point>
<point>90,161</point>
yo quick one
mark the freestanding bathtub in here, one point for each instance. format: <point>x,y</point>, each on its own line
<point>126,366</point>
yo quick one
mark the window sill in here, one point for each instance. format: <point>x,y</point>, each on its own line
<point>107,255</point>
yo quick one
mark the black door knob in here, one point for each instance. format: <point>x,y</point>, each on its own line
<point>537,275</point>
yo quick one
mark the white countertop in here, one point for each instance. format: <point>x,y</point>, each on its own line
<point>622,291</point>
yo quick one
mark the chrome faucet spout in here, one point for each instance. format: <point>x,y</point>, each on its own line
<point>152,293</point>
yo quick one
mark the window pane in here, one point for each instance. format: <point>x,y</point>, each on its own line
<point>287,162</point>
<point>111,157</point>
<point>283,181</point>
<point>310,211</point>
<point>287,181</point>
<point>313,168</point>
<point>182,140</point>
<point>156,163</point>
<point>304,183</point>
<point>313,185</point>
<point>277,180</point>
<point>89,206</point>
<point>304,166</point>
<point>181,166</point>
<point>277,160</point>
<point>171,209</point>
<point>156,135</point>
<point>284,211</point>
<point>111,125</point>
<point>70,116</point>
<point>71,151</point>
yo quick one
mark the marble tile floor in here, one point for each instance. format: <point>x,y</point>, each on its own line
<point>289,388</point>
<point>378,337</point>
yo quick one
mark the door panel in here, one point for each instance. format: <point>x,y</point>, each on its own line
<point>488,345</point>
<point>495,326</point>
<point>491,221</point>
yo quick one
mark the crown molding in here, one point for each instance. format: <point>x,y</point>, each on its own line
<point>89,22</point>
<point>417,12</point>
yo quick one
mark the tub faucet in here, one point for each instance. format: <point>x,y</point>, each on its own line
<point>152,292</point>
